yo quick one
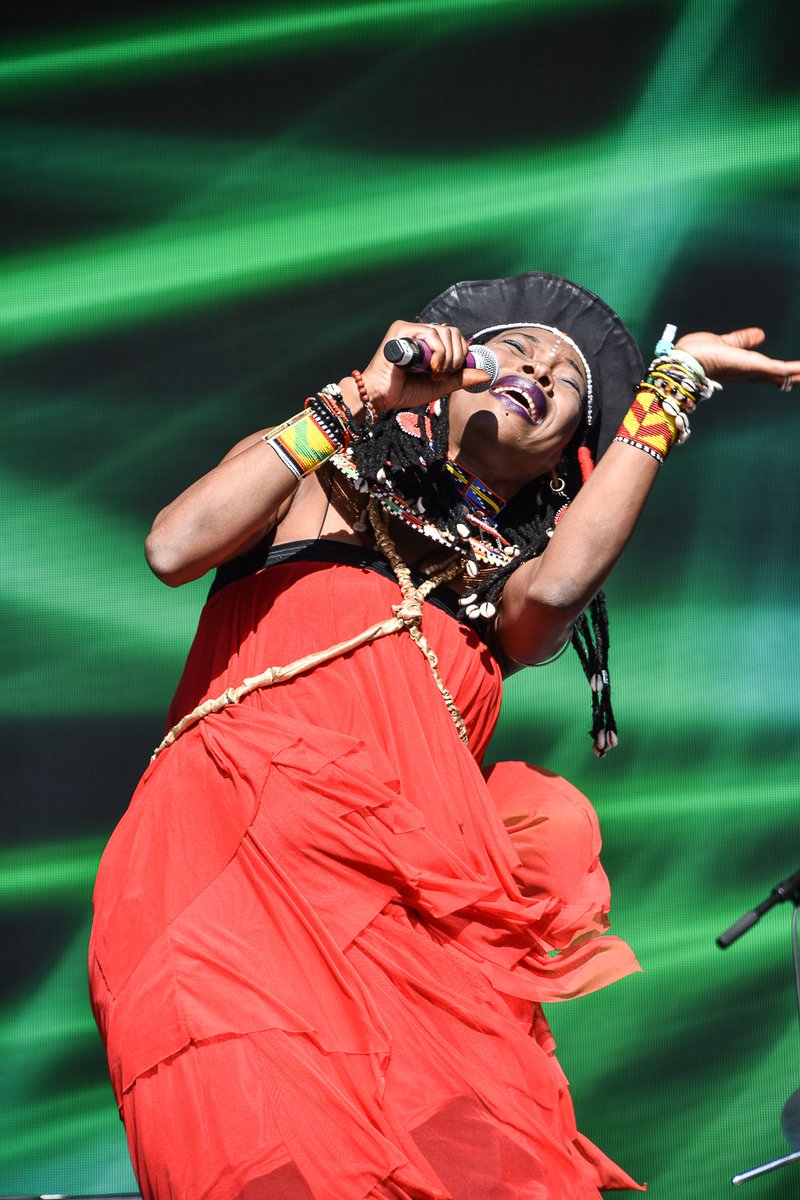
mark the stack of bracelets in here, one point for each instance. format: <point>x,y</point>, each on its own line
<point>674,384</point>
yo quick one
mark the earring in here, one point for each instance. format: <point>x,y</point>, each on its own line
<point>557,485</point>
<point>559,489</point>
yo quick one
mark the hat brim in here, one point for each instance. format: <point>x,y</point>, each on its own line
<point>538,298</point>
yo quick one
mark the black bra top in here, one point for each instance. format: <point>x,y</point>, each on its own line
<point>326,551</point>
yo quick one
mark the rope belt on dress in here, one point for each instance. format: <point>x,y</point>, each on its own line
<point>407,616</point>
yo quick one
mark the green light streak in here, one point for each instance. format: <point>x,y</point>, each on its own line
<point>137,173</point>
<point>104,620</point>
<point>107,549</point>
<point>47,1130</point>
<point>659,223</point>
<point>137,277</point>
<point>255,35</point>
<point>55,1027</point>
<point>42,874</point>
<point>55,1013</point>
<point>45,1126</point>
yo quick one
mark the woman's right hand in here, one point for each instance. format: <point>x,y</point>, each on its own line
<point>391,387</point>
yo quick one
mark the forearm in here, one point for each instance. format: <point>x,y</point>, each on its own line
<point>237,503</point>
<point>219,513</point>
<point>545,596</point>
<point>594,530</point>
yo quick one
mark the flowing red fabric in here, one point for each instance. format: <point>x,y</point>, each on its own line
<point>323,934</point>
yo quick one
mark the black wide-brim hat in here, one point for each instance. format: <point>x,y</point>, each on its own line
<point>536,298</point>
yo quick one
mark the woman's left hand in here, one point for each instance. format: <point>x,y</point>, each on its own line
<point>732,356</point>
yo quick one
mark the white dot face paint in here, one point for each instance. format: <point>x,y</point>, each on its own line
<point>490,330</point>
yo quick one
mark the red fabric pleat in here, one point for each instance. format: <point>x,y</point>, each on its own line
<point>323,935</point>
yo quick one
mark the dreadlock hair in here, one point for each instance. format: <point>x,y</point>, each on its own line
<point>407,452</point>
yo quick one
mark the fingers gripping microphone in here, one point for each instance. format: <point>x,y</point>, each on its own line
<point>414,355</point>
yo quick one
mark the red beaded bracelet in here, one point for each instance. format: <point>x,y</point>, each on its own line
<point>371,410</point>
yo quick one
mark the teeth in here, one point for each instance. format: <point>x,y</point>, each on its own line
<point>513,394</point>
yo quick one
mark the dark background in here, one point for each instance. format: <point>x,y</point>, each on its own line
<point>209,211</point>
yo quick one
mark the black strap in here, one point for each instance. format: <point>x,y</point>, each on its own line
<point>324,550</point>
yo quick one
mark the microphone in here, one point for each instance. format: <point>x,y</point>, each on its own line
<point>787,889</point>
<point>413,355</point>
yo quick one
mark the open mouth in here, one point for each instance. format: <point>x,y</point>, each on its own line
<point>521,396</point>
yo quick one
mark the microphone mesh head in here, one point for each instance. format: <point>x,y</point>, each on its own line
<point>485,360</point>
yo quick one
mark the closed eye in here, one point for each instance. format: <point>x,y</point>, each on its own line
<point>564,378</point>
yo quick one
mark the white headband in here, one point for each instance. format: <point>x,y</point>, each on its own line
<point>565,338</point>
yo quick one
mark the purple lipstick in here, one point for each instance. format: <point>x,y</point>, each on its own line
<point>521,396</point>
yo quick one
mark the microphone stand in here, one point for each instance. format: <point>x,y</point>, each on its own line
<point>788,889</point>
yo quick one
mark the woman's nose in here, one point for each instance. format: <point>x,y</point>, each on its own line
<point>541,372</point>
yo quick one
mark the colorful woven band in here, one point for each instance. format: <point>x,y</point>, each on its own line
<point>647,426</point>
<point>306,441</point>
<point>476,494</point>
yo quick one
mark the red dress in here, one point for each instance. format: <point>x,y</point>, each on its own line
<point>318,955</point>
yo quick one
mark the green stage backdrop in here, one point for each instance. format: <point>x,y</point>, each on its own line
<point>207,212</point>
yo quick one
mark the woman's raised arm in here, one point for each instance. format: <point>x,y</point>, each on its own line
<point>236,504</point>
<point>542,600</point>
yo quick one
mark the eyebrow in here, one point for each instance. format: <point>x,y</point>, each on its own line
<point>571,362</point>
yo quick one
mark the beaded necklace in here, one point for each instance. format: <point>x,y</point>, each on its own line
<point>477,495</point>
<point>488,545</point>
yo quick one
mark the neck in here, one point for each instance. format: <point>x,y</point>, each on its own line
<point>477,494</point>
<point>505,486</point>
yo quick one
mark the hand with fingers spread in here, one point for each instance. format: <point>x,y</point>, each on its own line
<point>391,387</point>
<point>733,355</point>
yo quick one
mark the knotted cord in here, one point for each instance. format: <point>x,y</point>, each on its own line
<point>407,616</point>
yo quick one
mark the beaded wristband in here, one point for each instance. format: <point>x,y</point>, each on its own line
<point>647,426</point>
<point>307,440</point>
<point>331,395</point>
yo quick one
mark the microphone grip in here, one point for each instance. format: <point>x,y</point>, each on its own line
<point>412,354</point>
<point>738,928</point>
<point>408,353</point>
